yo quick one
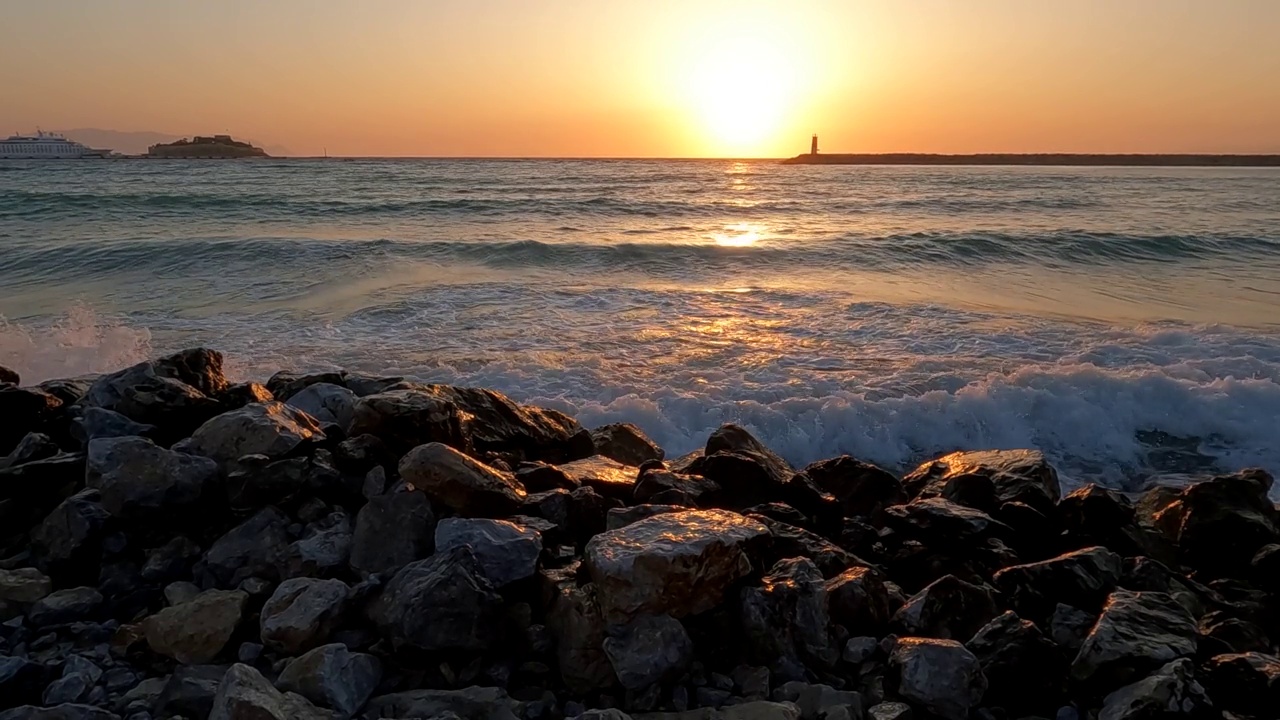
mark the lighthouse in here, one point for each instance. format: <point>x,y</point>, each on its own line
<point>813,145</point>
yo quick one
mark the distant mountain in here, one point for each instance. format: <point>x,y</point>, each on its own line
<point>137,142</point>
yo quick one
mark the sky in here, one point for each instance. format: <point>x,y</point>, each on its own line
<point>653,78</point>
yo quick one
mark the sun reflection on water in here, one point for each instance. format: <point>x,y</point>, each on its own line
<point>738,235</point>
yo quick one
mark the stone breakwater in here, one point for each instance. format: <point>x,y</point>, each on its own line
<point>337,545</point>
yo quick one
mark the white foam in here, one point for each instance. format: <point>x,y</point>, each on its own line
<point>79,342</point>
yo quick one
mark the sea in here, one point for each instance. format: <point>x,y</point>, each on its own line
<point>1125,321</point>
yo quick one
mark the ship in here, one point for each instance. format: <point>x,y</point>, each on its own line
<point>46,146</point>
<point>216,147</point>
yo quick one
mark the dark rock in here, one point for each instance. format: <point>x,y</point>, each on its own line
<point>1094,515</point>
<point>331,676</point>
<point>66,711</point>
<point>624,516</point>
<point>23,411</point>
<point>781,512</point>
<point>472,703</point>
<point>940,675</point>
<point>625,443</point>
<point>138,478</point>
<point>440,604</point>
<point>654,481</point>
<point>1223,522</point>
<point>302,613</point>
<point>252,548</point>
<point>24,585</point>
<point>858,650</point>
<point>985,479</point>
<point>392,531</point>
<point>1233,634</point>
<point>461,483</point>
<point>676,563</point>
<point>1083,579</point>
<point>1170,691</point>
<point>649,650</point>
<point>1265,568</point>
<point>941,519</point>
<point>95,423</point>
<point>577,624</point>
<point>360,454</point>
<point>404,419</point>
<point>257,481</point>
<point>790,541</point>
<point>862,489</point>
<point>69,688</point>
<point>64,606</point>
<point>33,446</point>
<point>245,694</point>
<point>607,477</point>
<point>165,393</point>
<point>751,682</point>
<point>284,385</point>
<point>12,377</point>
<point>1145,574</point>
<point>1069,626</point>
<point>588,513</point>
<point>541,477</point>
<point>889,711</point>
<point>948,608</point>
<point>1246,683</point>
<point>196,631</point>
<point>271,428</point>
<point>507,552</point>
<point>171,560</point>
<point>327,403</point>
<point>1025,671</point>
<point>189,691</point>
<point>71,534</point>
<point>495,424</point>
<point>323,551</point>
<point>859,601</point>
<point>241,394</point>
<point>1136,633</point>
<point>787,616</point>
<point>21,681</point>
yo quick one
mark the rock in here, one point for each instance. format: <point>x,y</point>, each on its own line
<point>498,425</point>
<point>747,472</point>
<point>137,477</point>
<point>70,534</point>
<point>165,393</point>
<point>334,677</point>
<point>1094,515</point>
<point>195,632</point>
<point>939,518</point>
<point>940,675</point>
<point>750,682</point>
<point>241,394</point>
<point>862,489</point>
<point>948,608</point>
<point>577,624</point>
<point>440,604</point>
<point>64,606</point>
<point>1136,633</point>
<point>1025,671</point>
<point>11,376</point>
<point>465,485</point>
<point>654,482</point>
<point>327,403</point>
<point>1082,579</point>
<point>1220,524</point>
<point>245,695</point>
<point>858,600</point>
<point>284,385</point>
<point>24,585</point>
<point>302,613</point>
<point>404,419</point>
<point>392,531</point>
<point>507,552</point>
<point>32,447</point>
<point>257,480</point>
<point>676,563</point>
<point>171,560</point>
<point>757,710</point>
<point>787,616</point>
<point>66,711</point>
<point>1170,691</point>
<point>821,701</point>
<point>471,703</point>
<point>95,423</point>
<point>624,443</point>
<point>23,411</point>
<point>889,711</point>
<point>1246,683</point>
<point>1234,634</point>
<point>985,479</point>
<point>189,691</point>
<point>252,548</point>
<point>179,592</point>
<point>608,477</point>
<point>271,428</point>
<point>649,650</point>
<point>1069,626</point>
<point>624,516</point>
<point>323,551</point>
<point>69,688</point>
<point>790,541</point>
<point>21,681</point>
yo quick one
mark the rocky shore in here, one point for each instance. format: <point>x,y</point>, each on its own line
<point>337,546</point>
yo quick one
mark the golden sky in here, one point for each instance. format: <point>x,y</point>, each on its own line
<point>666,78</point>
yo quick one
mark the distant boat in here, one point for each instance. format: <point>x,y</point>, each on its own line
<point>46,146</point>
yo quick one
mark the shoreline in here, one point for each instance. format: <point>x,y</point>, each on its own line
<point>1040,159</point>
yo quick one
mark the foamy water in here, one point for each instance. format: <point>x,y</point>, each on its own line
<point>892,313</point>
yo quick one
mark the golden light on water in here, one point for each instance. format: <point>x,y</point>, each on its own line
<point>738,235</point>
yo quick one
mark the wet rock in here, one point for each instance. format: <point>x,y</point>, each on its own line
<point>649,650</point>
<point>577,624</point>
<point>392,531</point>
<point>676,563</point>
<point>9,376</point>
<point>1170,691</point>
<point>862,489</point>
<point>858,600</point>
<point>32,447</point>
<point>21,681</point>
<point>171,560</point>
<point>24,585</point>
<point>332,676</point>
<point>189,691</point>
<point>588,513</point>
<point>940,675</point>
<point>1025,671</point>
<point>253,548</point>
<point>302,613</point>
<point>939,518</point>
<point>404,419</point>
<point>271,428</point>
<point>787,616</point>
<point>1094,515</point>
<point>440,604</point>
<point>69,688</point>
<point>245,695</point>
<point>70,534</point>
<point>507,552</point>
<point>323,550</point>
<point>889,711</point>
<point>656,481</point>
<point>747,472</point>
<point>791,541</point>
<point>624,516</point>
<point>985,479</point>
<point>64,606</point>
<point>757,710</point>
<point>1136,633</point>
<point>1233,634</point>
<point>241,394</point>
<point>23,411</point>
<point>327,403</point>
<point>66,711</point>
<point>360,454</point>
<point>625,443</point>
<point>1221,523</point>
<point>821,701</point>
<point>1244,683</point>
<point>495,424</point>
<point>284,385</point>
<point>1069,626</point>
<point>608,477</point>
<point>137,477</point>
<point>472,703</point>
<point>948,608</point>
<point>1082,579</point>
<point>95,423</point>
<point>196,631</point>
<point>1145,574</point>
<point>541,477</point>
<point>751,682</point>
<point>461,483</point>
<point>165,393</point>
<point>258,481</point>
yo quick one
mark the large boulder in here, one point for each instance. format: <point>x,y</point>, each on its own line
<point>188,692</point>
<point>196,631</point>
<point>507,552</point>
<point>789,541</point>
<point>747,472</point>
<point>756,710</point>
<point>648,650</point>
<point>138,478</point>
<point>302,613</point>
<point>1083,579</point>
<point>940,675</point>
<point>24,585</point>
<point>33,446</point>
<point>985,479</point>
<point>272,429</point>
<point>1246,683</point>
<point>65,606</point>
<point>284,384</point>
<point>327,403</point>
<point>1025,671</point>
<point>625,443</point>
<point>64,711</point>
<point>862,489</point>
<point>608,477</point>
<point>655,482</point>
<point>23,411</point>
<point>495,424</point>
<point>1171,691</point>
<point>786,616</point>
<point>1220,524</point>
<point>858,600</point>
<point>393,530</point>
<point>252,548</point>
<point>948,608</point>
<point>460,482</point>
<point>577,624</point>
<point>471,703</point>
<point>940,519</point>
<point>94,422</point>
<point>441,604</point>
<point>245,695</point>
<point>1136,633</point>
<point>332,676</point>
<point>324,549</point>
<point>71,535</point>
<point>407,418</point>
<point>675,563</point>
<point>174,394</point>
<point>21,681</point>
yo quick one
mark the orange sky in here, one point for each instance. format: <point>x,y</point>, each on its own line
<point>654,78</point>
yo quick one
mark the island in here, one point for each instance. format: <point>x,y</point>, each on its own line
<point>217,147</point>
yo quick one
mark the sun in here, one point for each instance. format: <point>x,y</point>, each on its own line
<point>740,89</point>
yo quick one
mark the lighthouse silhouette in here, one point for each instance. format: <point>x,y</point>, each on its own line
<point>813,145</point>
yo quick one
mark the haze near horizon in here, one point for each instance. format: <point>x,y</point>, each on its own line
<point>661,79</point>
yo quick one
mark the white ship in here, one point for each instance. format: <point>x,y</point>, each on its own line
<point>46,146</point>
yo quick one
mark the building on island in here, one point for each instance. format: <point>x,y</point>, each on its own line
<point>217,147</point>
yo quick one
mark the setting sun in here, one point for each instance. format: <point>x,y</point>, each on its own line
<point>741,91</point>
